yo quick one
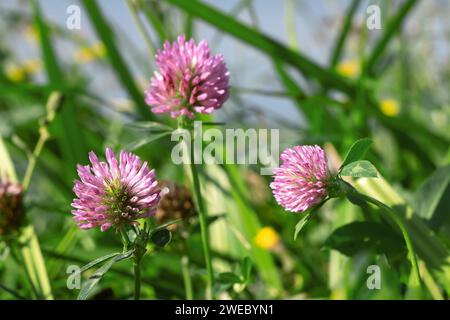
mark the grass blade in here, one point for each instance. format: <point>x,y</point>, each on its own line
<point>34,263</point>
<point>66,128</point>
<point>393,25</point>
<point>7,170</point>
<point>124,75</point>
<point>339,46</point>
<point>264,43</point>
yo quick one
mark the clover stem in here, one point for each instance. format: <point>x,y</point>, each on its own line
<point>137,278</point>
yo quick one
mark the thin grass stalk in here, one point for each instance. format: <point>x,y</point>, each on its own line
<point>186,277</point>
<point>202,215</point>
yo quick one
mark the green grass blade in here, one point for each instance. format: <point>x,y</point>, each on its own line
<point>51,65</point>
<point>393,25</point>
<point>65,244</point>
<point>249,225</point>
<point>339,46</point>
<point>7,170</point>
<point>153,17</point>
<point>264,43</point>
<point>124,75</point>
<point>66,128</point>
<point>34,263</point>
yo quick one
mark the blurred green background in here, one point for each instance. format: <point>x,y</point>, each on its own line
<point>311,69</point>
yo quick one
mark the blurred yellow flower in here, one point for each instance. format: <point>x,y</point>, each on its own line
<point>15,73</point>
<point>84,54</point>
<point>267,238</point>
<point>349,68</point>
<point>90,53</point>
<point>99,49</point>
<point>390,107</point>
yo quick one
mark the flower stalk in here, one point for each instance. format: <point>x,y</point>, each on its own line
<point>186,277</point>
<point>137,278</point>
<point>202,215</point>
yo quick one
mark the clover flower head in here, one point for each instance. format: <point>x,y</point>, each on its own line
<point>114,193</point>
<point>189,80</point>
<point>302,179</point>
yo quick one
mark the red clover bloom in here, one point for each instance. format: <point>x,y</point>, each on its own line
<point>189,79</point>
<point>302,180</point>
<point>114,193</point>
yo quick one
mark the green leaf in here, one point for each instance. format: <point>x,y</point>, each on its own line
<point>145,140</point>
<point>97,261</point>
<point>431,201</point>
<point>246,269</point>
<point>91,283</point>
<point>359,169</point>
<point>357,151</point>
<point>306,216</point>
<point>168,223</point>
<point>299,226</point>
<point>228,278</point>
<point>358,236</point>
<point>161,237</point>
<point>150,126</point>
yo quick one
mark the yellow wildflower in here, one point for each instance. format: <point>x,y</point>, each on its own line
<point>84,54</point>
<point>349,68</point>
<point>390,107</point>
<point>90,53</point>
<point>15,73</point>
<point>267,238</point>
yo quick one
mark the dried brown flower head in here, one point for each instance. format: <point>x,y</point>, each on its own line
<point>11,207</point>
<point>176,202</point>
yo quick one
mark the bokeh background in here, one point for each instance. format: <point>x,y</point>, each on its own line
<point>311,69</point>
